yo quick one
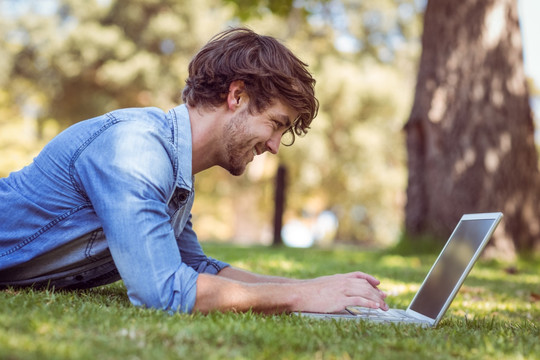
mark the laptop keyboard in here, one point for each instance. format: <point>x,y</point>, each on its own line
<point>392,315</point>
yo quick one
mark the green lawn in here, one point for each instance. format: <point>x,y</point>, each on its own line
<point>495,316</point>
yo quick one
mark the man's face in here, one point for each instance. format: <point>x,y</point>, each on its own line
<point>247,136</point>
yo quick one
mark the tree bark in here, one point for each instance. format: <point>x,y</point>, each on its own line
<point>470,134</point>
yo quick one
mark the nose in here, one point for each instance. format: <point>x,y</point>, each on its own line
<point>272,144</point>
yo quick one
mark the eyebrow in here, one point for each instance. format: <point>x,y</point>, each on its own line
<point>284,119</point>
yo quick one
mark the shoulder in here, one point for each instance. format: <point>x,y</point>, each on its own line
<point>150,113</point>
<point>150,116</point>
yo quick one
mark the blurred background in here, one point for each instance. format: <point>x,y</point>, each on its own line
<point>63,61</point>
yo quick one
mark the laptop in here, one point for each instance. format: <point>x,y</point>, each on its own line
<point>443,281</point>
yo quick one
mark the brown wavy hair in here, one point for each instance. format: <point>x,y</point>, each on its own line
<point>268,69</point>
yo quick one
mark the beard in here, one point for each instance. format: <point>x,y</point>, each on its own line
<point>237,147</point>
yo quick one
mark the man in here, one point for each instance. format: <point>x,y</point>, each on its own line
<point>110,197</point>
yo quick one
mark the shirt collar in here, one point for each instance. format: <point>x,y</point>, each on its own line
<point>181,127</point>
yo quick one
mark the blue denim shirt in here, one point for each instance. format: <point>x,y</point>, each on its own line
<point>108,198</point>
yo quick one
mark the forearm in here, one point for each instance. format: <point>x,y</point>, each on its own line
<point>324,294</point>
<point>219,293</point>
<point>252,278</point>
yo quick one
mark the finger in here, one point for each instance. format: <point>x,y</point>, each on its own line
<point>372,304</point>
<point>369,278</point>
<point>361,288</point>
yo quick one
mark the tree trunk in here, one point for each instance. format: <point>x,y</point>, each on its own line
<point>470,135</point>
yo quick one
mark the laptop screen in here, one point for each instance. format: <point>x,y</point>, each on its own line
<point>450,266</point>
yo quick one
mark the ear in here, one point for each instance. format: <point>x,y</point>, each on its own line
<point>237,95</point>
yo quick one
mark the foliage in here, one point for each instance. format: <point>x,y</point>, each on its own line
<point>16,150</point>
<point>88,57</point>
<point>67,60</point>
<point>246,9</point>
<point>495,315</point>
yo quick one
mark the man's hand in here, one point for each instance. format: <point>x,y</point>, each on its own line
<point>334,293</point>
<point>238,290</point>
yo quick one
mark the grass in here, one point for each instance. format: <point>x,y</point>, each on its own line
<point>495,315</point>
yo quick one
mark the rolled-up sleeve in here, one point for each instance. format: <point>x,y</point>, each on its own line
<point>127,174</point>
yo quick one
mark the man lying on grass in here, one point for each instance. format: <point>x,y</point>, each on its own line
<point>110,198</point>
